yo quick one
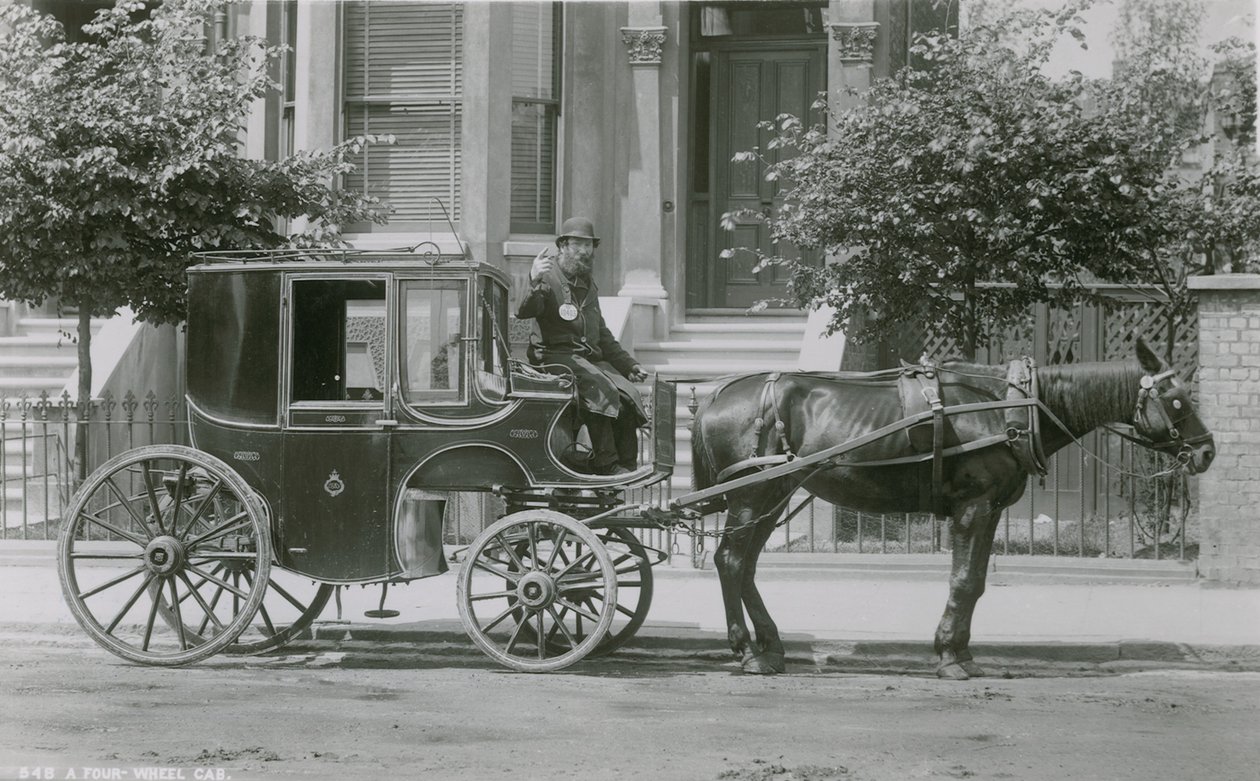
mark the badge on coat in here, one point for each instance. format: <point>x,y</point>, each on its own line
<point>568,311</point>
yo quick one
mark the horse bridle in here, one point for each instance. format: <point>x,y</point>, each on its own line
<point>1177,445</point>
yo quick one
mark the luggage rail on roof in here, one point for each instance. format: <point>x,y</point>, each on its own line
<point>427,251</point>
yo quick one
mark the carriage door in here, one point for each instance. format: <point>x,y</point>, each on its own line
<point>750,63</point>
<point>335,515</point>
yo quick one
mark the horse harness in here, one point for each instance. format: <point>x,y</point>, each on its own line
<point>921,402</point>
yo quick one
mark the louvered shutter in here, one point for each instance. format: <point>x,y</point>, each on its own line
<point>535,109</point>
<point>403,76</point>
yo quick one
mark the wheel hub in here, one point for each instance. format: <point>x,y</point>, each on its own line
<point>536,591</point>
<point>163,555</point>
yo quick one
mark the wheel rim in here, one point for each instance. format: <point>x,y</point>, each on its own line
<point>519,584</point>
<point>155,530</point>
<point>633,565</point>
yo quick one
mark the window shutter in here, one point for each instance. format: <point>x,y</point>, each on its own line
<point>403,76</point>
<point>535,111</point>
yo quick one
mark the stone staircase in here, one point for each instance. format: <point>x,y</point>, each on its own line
<point>706,348</point>
<point>38,354</point>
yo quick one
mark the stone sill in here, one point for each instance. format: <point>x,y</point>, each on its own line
<point>1225,282</point>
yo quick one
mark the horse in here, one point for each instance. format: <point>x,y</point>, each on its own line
<point>811,412</point>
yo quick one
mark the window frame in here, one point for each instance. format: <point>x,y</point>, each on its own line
<point>552,111</point>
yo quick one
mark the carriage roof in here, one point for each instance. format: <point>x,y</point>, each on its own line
<point>237,313</point>
<point>322,261</point>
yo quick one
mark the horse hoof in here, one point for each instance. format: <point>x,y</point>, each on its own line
<point>971,668</point>
<point>952,672</point>
<point>764,664</point>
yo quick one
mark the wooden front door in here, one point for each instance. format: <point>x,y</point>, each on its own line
<point>745,84</point>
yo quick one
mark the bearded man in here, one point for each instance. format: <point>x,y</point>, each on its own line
<point>564,301</point>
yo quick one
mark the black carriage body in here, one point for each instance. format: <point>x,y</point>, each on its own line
<point>345,391</point>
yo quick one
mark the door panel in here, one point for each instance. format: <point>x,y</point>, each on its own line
<point>750,86</point>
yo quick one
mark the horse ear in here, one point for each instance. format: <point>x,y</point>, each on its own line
<point>1150,362</point>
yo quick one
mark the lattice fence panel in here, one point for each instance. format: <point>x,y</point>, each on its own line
<point>1124,319</point>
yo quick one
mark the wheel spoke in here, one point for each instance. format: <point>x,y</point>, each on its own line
<point>589,616</point>
<point>154,506</point>
<point>130,601</point>
<point>533,545</point>
<point>111,583</point>
<point>291,599</point>
<point>559,545</point>
<point>224,556</point>
<point>499,618</point>
<point>542,645</point>
<point>573,643</point>
<point>627,612</point>
<point>148,627</point>
<point>107,556</point>
<point>220,583</point>
<point>111,527</point>
<point>207,609</point>
<point>179,615</point>
<point>511,553</point>
<point>126,504</point>
<point>201,510</point>
<point>493,595</point>
<point>238,520</point>
<point>516,633</point>
<point>588,555</point>
<point>509,576</point>
<point>179,495</point>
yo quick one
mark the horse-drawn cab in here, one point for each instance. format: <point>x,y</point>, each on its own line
<point>348,387</point>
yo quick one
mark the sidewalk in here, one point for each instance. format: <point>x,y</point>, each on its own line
<point>833,611</point>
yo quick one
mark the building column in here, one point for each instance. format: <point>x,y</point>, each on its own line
<point>486,130</point>
<point>640,213</point>
<point>852,51</point>
<point>262,19</point>
<point>1229,394</point>
<point>315,105</point>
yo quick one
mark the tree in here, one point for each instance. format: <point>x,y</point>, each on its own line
<point>956,195</point>
<point>119,156</point>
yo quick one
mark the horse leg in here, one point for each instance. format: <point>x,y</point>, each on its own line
<point>769,657</point>
<point>972,533</point>
<point>730,560</point>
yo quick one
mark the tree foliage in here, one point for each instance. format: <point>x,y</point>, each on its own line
<point>120,155</point>
<point>958,194</point>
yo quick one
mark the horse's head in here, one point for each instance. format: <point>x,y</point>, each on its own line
<point>1165,416</point>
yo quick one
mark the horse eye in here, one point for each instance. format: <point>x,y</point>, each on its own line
<point>1176,403</point>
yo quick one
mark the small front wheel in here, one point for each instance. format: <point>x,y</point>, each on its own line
<point>152,533</point>
<point>538,591</point>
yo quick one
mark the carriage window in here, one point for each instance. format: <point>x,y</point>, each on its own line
<point>338,340</point>
<point>432,341</point>
<point>492,347</point>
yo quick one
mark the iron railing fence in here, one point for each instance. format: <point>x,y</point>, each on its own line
<point>1115,501</point>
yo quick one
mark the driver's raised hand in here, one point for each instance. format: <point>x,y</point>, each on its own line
<point>544,262</point>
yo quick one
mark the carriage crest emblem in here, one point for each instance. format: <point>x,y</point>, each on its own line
<point>334,485</point>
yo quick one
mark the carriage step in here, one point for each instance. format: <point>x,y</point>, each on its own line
<point>724,346</point>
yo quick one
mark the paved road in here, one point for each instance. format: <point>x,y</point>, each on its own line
<point>442,711</point>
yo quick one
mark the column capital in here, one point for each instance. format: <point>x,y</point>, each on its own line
<point>857,40</point>
<point>643,44</point>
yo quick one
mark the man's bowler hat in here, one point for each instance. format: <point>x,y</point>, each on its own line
<point>577,228</point>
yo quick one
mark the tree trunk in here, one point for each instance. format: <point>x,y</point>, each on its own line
<point>85,389</point>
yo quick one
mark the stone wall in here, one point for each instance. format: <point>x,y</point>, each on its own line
<point>1229,404</point>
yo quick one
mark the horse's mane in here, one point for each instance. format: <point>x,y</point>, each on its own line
<point>1086,395</point>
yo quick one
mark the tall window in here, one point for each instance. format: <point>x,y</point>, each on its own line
<point>288,76</point>
<point>404,78</point>
<point>535,114</point>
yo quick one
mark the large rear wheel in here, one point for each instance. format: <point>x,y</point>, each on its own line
<point>537,591</point>
<point>155,529</point>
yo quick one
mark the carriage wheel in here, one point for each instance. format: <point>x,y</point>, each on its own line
<point>156,528</point>
<point>632,562</point>
<point>550,595</point>
<point>291,602</point>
